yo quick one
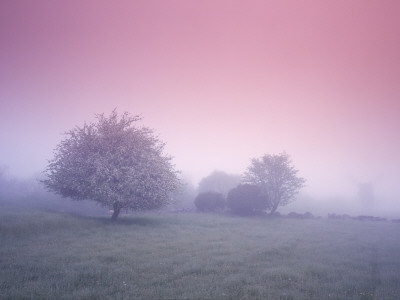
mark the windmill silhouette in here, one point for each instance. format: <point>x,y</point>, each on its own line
<point>366,190</point>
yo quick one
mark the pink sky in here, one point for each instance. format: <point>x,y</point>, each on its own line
<point>220,81</point>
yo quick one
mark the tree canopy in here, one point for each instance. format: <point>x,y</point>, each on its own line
<point>277,178</point>
<point>218,181</point>
<point>209,201</point>
<point>115,163</point>
<point>247,199</point>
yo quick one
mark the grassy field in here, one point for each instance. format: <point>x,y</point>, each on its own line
<point>195,256</point>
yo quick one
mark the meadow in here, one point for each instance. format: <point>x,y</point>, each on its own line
<point>48,255</point>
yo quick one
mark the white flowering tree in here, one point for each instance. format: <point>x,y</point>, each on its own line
<point>276,177</point>
<point>115,163</point>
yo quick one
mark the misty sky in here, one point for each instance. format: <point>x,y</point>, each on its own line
<point>220,82</point>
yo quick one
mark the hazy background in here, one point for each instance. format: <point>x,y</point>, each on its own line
<point>220,81</point>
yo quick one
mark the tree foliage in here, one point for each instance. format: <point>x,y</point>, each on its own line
<point>209,201</point>
<point>218,181</point>
<point>115,163</point>
<point>276,177</point>
<point>247,199</point>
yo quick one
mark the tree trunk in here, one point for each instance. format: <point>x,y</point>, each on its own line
<point>115,214</point>
<point>274,208</point>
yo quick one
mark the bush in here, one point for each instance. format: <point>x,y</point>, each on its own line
<point>247,199</point>
<point>209,201</point>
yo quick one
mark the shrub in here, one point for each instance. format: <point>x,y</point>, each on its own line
<point>209,201</point>
<point>247,199</point>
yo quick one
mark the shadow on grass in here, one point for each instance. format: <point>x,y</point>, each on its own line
<point>127,221</point>
<point>139,221</point>
<point>106,220</point>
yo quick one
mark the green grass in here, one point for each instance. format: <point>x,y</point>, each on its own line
<point>196,256</point>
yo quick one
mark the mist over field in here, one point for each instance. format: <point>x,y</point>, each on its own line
<point>220,83</point>
<point>311,86</point>
<point>362,199</point>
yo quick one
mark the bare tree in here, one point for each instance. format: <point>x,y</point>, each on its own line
<point>277,178</point>
<point>114,163</point>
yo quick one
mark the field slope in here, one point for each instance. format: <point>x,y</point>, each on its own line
<point>196,256</point>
